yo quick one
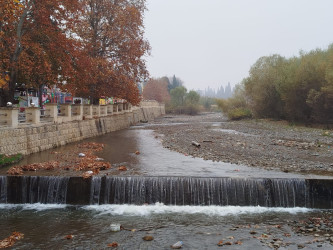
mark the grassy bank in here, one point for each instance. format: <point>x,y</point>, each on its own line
<point>9,159</point>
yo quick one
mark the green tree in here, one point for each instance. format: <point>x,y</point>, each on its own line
<point>176,82</point>
<point>321,103</point>
<point>298,89</point>
<point>192,102</point>
<point>178,96</point>
<point>262,86</point>
<point>192,98</point>
<point>305,73</point>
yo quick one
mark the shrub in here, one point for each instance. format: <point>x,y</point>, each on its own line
<point>239,113</point>
<point>236,107</point>
<point>191,109</point>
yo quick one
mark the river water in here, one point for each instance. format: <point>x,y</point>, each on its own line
<point>46,226</point>
<point>154,160</point>
<point>199,227</point>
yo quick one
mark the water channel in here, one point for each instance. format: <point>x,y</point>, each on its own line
<point>199,227</point>
<point>154,160</point>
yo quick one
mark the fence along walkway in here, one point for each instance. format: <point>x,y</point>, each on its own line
<point>11,117</point>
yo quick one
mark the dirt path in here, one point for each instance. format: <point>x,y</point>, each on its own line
<point>259,143</point>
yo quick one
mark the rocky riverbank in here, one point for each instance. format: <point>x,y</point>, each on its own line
<point>273,145</point>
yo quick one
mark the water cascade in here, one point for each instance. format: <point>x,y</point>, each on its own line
<point>3,189</point>
<point>33,189</point>
<point>140,190</point>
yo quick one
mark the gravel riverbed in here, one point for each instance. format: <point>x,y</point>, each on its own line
<point>272,145</point>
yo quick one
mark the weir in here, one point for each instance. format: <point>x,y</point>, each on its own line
<point>310,193</point>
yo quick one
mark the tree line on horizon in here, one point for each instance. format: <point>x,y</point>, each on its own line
<point>90,48</point>
<point>221,92</point>
<point>298,89</point>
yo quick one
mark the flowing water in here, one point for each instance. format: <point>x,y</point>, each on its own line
<point>164,194</point>
<point>168,190</point>
<point>154,160</point>
<point>199,227</point>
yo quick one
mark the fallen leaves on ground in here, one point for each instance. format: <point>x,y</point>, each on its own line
<point>15,171</point>
<point>221,243</point>
<point>94,146</point>
<point>87,174</point>
<point>148,238</point>
<point>70,161</point>
<point>122,168</point>
<point>39,166</point>
<point>69,237</point>
<point>113,244</point>
<point>10,241</point>
<point>18,170</point>
<point>89,162</point>
<point>229,243</point>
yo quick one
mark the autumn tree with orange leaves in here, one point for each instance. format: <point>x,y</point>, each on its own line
<point>89,47</point>
<point>156,89</point>
<point>37,44</point>
<point>112,34</point>
<point>9,12</point>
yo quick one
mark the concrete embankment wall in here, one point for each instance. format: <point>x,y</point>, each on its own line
<point>28,139</point>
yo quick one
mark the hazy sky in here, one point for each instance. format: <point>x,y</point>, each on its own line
<point>213,42</point>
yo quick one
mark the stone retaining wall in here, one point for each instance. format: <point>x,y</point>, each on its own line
<point>28,139</point>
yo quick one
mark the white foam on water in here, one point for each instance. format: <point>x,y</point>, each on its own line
<point>8,206</point>
<point>160,208</point>
<point>33,206</point>
<point>41,207</point>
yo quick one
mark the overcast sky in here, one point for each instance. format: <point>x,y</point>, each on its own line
<point>213,42</point>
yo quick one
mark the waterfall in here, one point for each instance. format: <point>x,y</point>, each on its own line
<point>286,193</point>
<point>205,191</point>
<point>33,189</point>
<point>95,189</point>
<point>199,191</point>
<point>3,189</point>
